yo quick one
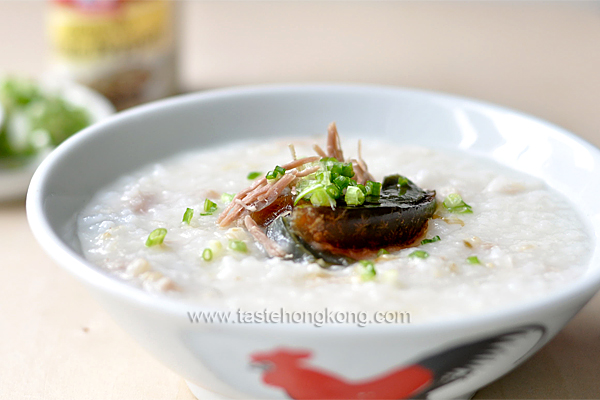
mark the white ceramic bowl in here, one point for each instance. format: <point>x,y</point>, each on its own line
<point>438,359</point>
<point>14,181</point>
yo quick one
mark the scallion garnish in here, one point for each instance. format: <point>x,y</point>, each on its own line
<point>342,182</point>
<point>207,255</point>
<point>336,169</point>
<point>354,196</point>
<point>280,170</point>
<point>209,206</point>
<point>253,175</point>
<point>320,198</point>
<point>455,204</point>
<point>271,176</point>
<point>373,188</point>
<point>156,237</point>
<point>276,174</point>
<point>473,260</point>
<point>362,188</point>
<point>187,215</point>
<point>432,240</point>
<point>402,181</point>
<point>333,191</point>
<point>367,270</point>
<point>419,254</point>
<point>308,191</point>
<point>382,252</point>
<point>347,170</point>
<point>227,198</point>
<point>238,245</point>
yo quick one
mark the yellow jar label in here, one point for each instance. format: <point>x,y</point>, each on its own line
<point>80,34</point>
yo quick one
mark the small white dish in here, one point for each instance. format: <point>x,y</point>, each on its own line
<point>14,181</point>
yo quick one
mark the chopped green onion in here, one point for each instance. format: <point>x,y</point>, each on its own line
<point>253,175</point>
<point>320,198</point>
<point>155,237</point>
<point>271,175</point>
<point>362,188</point>
<point>238,245</point>
<point>280,170</point>
<point>419,254</point>
<point>209,206</point>
<point>402,181</point>
<point>328,159</point>
<point>373,188</point>
<point>473,260</point>
<point>277,173</point>
<point>347,170</point>
<point>333,191</point>
<point>308,191</point>
<point>336,169</point>
<point>367,270</point>
<point>227,198</point>
<point>187,215</point>
<point>455,204</point>
<point>382,252</point>
<point>354,196</point>
<point>207,255</point>
<point>432,240</point>
<point>342,182</point>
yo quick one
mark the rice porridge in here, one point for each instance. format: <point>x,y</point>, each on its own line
<point>512,239</point>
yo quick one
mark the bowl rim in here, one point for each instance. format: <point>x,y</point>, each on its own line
<point>582,288</point>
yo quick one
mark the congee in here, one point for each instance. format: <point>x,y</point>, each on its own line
<point>305,225</point>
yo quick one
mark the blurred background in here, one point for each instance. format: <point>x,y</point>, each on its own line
<point>540,57</point>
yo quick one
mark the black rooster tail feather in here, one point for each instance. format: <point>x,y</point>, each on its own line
<point>458,362</point>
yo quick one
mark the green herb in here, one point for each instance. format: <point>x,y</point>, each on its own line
<point>354,196</point>
<point>209,207</point>
<point>253,175</point>
<point>238,245</point>
<point>455,204</point>
<point>373,188</point>
<point>187,215</point>
<point>276,174</point>
<point>367,270</point>
<point>333,191</point>
<point>402,181</point>
<point>320,198</point>
<point>207,255</point>
<point>419,254</point>
<point>280,170</point>
<point>342,182</point>
<point>308,191</point>
<point>473,260</point>
<point>432,240</point>
<point>227,198</point>
<point>336,169</point>
<point>362,188</point>
<point>155,237</point>
<point>347,170</point>
<point>382,252</point>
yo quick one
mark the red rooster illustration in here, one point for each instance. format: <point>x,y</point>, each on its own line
<point>288,369</point>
